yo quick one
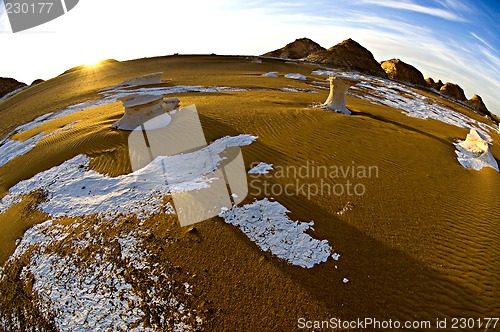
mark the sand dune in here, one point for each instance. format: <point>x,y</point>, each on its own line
<point>419,244</point>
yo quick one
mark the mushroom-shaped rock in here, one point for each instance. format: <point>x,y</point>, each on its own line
<point>171,103</point>
<point>148,79</point>
<point>475,143</point>
<point>140,110</point>
<point>338,90</point>
<point>475,152</point>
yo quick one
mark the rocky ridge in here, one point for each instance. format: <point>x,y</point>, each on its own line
<point>7,85</point>
<point>401,71</point>
<point>298,49</point>
<point>350,55</point>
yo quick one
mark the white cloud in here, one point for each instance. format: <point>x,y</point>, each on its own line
<point>457,5</point>
<point>410,6</point>
<point>482,40</point>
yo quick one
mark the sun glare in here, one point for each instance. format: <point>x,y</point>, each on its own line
<point>92,65</point>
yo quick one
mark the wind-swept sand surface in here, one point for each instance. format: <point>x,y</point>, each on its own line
<point>421,242</point>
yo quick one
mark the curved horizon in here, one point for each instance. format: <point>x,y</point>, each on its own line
<point>450,40</point>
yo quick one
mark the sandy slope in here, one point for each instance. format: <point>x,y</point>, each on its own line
<point>420,244</point>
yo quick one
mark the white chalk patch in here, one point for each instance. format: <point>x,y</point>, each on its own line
<point>289,89</point>
<point>59,114</point>
<point>11,149</point>
<point>266,223</point>
<point>73,190</point>
<point>296,76</point>
<point>35,123</point>
<point>148,79</point>
<point>270,74</point>
<point>157,91</point>
<point>131,251</point>
<point>261,168</point>
<point>322,72</point>
<point>10,94</point>
<point>75,291</point>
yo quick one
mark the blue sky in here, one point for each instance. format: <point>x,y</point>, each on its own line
<point>452,40</point>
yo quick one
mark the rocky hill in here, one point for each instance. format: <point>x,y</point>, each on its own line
<point>456,92</point>
<point>453,90</point>
<point>37,81</point>
<point>298,49</point>
<point>477,103</point>
<point>401,71</point>
<point>8,85</point>
<point>435,85</point>
<point>350,55</point>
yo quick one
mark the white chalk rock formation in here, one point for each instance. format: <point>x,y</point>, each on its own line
<point>475,152</point>
<point>139,109</point>
<point>148,79</point>
<point>296,76</point>
<point>338,90</point>
<point>170,104</point>
<point>270,74</point>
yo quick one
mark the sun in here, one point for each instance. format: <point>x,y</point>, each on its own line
<point>92,65</point>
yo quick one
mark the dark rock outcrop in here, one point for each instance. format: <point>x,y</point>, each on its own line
<point>476,102</point>
<point>8,85</point>
<point>298,49</point>
<point>435,85</point>
<point>403,72</point>
<point>350,55</point>
<point>37,81</point>
<point>453,90</point>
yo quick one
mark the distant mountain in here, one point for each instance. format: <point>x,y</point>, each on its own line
<point>435,85</point>
<point>453,90</point>
<point>37,81</point>
<point>350,55</point>
<point>477,103</point>
<point>401,71</point>
<point>456,92</point>
<point>298,49</point>
<point>8,85</point>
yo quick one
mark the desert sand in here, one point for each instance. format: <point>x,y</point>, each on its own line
<point>421,243</point>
